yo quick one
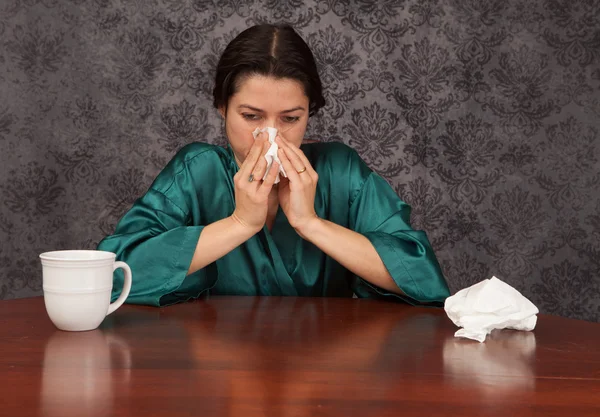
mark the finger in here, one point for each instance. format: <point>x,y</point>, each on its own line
<point>309,172</point>
<point>252,158</point>
<point>266,146</point>
<point>295,155</point>
<point>292,173</point>
<point>282,141</point>
<point>261,166</point>
<point>267,184</point>
<point>294,159</point>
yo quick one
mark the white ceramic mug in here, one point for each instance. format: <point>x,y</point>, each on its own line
<point>77,287</point>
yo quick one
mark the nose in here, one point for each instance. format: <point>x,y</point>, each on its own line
<point>277,123</point>
<point>271,122</point>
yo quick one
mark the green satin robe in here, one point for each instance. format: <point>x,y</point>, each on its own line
<point>157,237</point>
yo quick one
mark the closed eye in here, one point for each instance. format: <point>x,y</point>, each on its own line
<point>251,117</point>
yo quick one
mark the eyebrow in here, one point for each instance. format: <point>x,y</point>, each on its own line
<point>246,106</point>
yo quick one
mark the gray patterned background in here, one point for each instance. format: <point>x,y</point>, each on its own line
<point>483,115</point>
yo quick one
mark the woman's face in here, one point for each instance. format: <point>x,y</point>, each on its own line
<point>265,102</point>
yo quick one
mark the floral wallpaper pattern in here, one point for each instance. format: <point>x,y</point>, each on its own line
<point>483,115</point>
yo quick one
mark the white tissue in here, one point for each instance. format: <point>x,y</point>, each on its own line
<point>488,305</point>
<point>271,154</point>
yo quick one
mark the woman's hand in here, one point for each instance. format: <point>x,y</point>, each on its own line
<point>251,193</point>
<point>297,193</point>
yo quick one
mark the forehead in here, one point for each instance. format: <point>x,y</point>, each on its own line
<point>269,94</point>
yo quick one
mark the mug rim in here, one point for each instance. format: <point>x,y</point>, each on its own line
<point>97,255</point>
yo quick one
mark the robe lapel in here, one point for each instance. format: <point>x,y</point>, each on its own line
<point>282,280</point>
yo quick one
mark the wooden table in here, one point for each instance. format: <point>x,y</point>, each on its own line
<point>245,356</point>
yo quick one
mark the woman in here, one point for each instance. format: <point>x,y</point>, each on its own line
<point>214,219</point>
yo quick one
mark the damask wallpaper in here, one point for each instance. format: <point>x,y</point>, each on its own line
<point>483,115</point>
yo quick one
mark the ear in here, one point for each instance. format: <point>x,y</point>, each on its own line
<point>222,111</point>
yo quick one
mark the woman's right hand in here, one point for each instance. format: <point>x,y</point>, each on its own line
<point>252,197</point>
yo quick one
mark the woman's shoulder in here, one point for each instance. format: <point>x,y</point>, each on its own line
<point>192,151</point>
<point>341,169</point>
<point>328,149</point>
<point>192,159</point>
<point>197,153</point>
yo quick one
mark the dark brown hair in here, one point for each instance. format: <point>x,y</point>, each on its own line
<point>268,50</point>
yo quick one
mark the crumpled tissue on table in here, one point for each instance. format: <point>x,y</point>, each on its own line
<point>488,305</point>
<point>271,154</point>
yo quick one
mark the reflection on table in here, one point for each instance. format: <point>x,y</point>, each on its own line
<point>82,371</point>
<point>252,356</point>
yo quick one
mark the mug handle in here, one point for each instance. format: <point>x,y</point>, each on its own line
<point>126,287</point>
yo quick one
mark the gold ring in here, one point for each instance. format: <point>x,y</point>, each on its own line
<point>301,171</point>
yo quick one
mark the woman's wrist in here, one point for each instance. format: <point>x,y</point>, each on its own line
<point>310,228</point>
<point>244,227</point>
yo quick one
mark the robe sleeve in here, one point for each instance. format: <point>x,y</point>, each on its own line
<point>157,240</point>
<point>377,213</point>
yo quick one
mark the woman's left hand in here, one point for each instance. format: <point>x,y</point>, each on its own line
<point>297,192</point>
